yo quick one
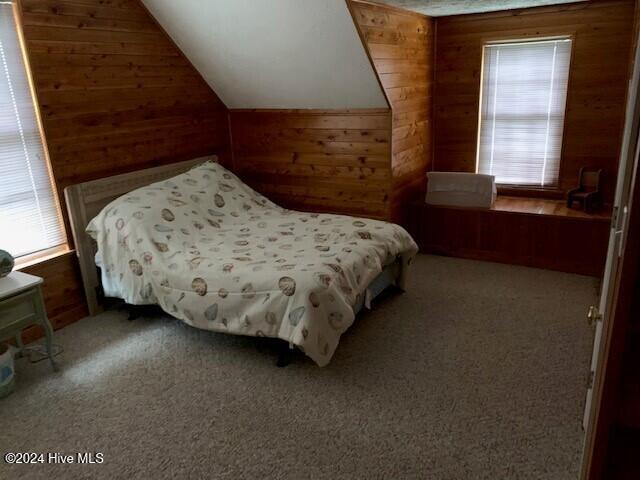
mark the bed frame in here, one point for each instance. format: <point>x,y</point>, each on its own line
<point>86,200</point>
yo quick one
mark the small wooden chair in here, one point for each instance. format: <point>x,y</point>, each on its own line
<point>587,193</point>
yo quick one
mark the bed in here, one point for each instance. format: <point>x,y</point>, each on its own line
<point>217,255</point>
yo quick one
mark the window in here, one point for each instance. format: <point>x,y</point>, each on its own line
<point>29,211</point>
<point>524,91</point>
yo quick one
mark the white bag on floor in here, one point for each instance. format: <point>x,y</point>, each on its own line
<point>7,379</point>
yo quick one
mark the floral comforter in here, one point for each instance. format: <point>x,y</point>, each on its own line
<point>214,253</point>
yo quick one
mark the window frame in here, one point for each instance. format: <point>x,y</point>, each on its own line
<point>548,191</point>
<point>64,248</point>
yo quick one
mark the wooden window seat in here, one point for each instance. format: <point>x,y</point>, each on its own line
<point>522,231</point>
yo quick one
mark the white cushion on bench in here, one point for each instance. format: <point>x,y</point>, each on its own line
<point>460,189</point>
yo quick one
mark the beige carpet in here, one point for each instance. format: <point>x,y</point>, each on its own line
<point>478,371</point>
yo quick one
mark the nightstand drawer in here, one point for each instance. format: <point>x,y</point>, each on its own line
<point>18,309</point>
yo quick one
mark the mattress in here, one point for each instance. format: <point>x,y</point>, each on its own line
<point>214,253</point>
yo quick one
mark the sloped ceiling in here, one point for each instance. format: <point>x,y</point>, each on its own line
<point>274,53</point>
<point>438,8</point>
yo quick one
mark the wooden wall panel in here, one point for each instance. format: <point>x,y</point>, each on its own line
<point>602,32</point>
<point>115,95</point>
<point>328,161</point>
<point>401,45</point>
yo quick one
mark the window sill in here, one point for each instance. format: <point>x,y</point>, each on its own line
<point>552,193</point>
<point>42,256</point>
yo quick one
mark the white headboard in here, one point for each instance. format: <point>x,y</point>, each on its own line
<point>86,200</point>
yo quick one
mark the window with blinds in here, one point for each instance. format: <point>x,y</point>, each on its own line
<point>29,212</point>
<point>524,91</point>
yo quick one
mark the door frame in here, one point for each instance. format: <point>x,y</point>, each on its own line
<point>607,385</point>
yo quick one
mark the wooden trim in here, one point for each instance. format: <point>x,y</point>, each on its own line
<point>517,12</point>
<point>434,92</point>
<point>27,261</point>
<point>17,13</point>
<point>313,111</point>
<point>567,101</point>
<point>395,9</point>
<point>563,33</point>
<point>363,42</point>
<point>530,192</point>
<point>231,149</point>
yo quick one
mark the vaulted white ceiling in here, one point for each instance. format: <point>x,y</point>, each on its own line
<point>438,8</point>
<point>274,53</point>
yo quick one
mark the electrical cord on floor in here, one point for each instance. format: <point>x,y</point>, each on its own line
<point>38,353</point>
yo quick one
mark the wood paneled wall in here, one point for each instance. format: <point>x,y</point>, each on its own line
<point>400,44</point>
<point>602,32</point>
<point>115,95</point>
<point>317,160</point>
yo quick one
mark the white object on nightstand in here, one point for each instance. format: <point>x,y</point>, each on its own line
<point>22,305</point>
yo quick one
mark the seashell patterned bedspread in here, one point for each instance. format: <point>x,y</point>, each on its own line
<point>216,254</point>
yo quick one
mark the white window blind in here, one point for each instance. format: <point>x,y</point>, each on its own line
<point>524,91</point>
<point>29,213</point>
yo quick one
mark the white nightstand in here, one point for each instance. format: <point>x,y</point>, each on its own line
<point>22,305</point>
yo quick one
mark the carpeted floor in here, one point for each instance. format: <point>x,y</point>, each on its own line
<point>478,371</point>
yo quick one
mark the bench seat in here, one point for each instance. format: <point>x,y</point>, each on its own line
<point>533,232</point>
